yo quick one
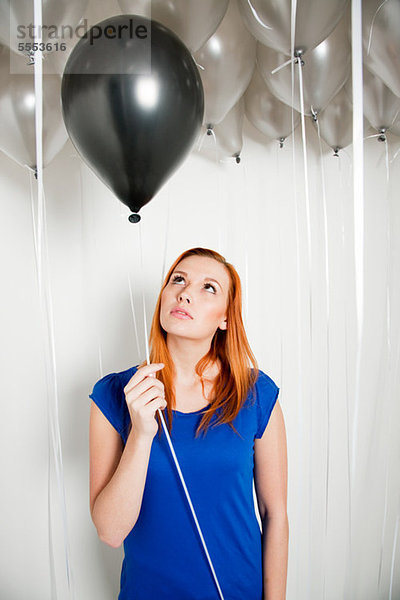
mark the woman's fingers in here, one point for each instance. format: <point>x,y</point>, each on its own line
<point>144,395</point>
<point>142,387</point>
<point>137,402</point>
<point>141,374</point>
<point>154,405</point>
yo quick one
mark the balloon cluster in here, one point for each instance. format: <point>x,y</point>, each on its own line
<point>212,62</point>
<point>17,93</point>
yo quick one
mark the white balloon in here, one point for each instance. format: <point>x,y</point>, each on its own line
<point>17,113</point>
<point>271,116</point>
<point>226,138</point>
<point>325,71</point>
<point>381,106</point>
<point>227,63</point>
<point>229,132</point>
<point>194,21</point>
<point>381,38</point>
<point>395,129</point>
<point>335,122</point>
<point>270,21</point>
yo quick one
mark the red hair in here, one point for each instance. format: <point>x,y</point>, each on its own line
<point>230,346</point>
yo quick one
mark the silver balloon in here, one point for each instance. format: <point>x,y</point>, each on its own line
<point>271,116</point>
<point>335,122</point>
<point>226,138</point>
<point>381,106</point>
<point>229,132</point>
<point>193,21</point>
<point>395,129</point>
<point>270,22</point>
<point>381,39</point>
<point>326,69</point>
<point>59,17</point>
<point>226,64</point>
<point>17,113</point>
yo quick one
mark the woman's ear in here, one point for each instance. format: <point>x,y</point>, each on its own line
<point>223,325</point>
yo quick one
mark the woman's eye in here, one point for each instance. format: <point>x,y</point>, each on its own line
<point>176,277</point>
<point>211,286</point>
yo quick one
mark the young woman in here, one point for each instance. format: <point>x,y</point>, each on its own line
<point>217,409</point>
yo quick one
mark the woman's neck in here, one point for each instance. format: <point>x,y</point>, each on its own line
<point>185,355</point>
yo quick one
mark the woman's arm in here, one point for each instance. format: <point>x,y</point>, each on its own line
<point>117,475</point>
<point>270,478</point>
<point>117,478</point>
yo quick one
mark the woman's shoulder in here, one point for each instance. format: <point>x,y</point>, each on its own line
<point>264,388</point>
<point>264,399</point>
<point>116,378</point>
<point>263,379</point>
<point>108,395</point>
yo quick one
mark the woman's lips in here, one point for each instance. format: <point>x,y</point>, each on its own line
<point>180,314</point>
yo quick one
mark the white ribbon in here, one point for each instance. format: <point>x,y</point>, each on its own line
<point>43,277</point>
<point>170,443</point>
<point>257,18</point>
<point>393,557</point>
<point>358,206</point>
<point>358,195</point>
<point>327,347</point>
<point>307,196</point>
<point>373,23</point>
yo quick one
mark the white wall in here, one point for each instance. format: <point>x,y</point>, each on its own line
<point>248,212</point>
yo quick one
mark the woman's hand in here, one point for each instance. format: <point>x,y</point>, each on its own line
<point>144,395</point>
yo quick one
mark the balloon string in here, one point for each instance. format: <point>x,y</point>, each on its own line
<point>257,18</point>
<point>281,266</point>
<point>372,25</point>
<point>300,401</point>
<point>327,352</point>
<point>202,140</point>
<point>374,135</point>
<point>36,229</point>
<point>358,224</point>
<point>387,376</point>
<point>55,426</point>
<point>169,439</point>
<point>219,201</point>
<point>393,556</point>
<point>46,305</point>
<point>143,298</point>
<point>395,156</point>
<point>358,191</point>
<point>307,196</point>
<point>346,353</point>
<point>246,249</point>
<point>391,421</point>
<point>128,276</point>
<point>132,308</point>
<point>383,527</point>
<point>387,160</point>
<point>291,61</point>
<point>93,268</point>
<point>35,241</point>
<point>164,266</point>
<point>307,192</point>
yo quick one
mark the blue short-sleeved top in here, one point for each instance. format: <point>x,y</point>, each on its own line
<point>164,558</point>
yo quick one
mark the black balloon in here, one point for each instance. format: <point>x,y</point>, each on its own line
<point>132,128</point>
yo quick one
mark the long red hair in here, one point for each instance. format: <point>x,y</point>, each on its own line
<point>230,346</point>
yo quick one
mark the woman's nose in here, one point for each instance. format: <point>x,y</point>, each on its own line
<point>184,296</point>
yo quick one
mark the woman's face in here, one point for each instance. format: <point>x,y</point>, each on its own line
<point>198,287</point>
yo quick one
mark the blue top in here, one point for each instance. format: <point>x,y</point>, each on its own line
<point>164,557</point>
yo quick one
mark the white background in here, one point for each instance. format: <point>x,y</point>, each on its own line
<point>247,212</point>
